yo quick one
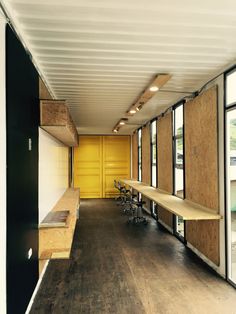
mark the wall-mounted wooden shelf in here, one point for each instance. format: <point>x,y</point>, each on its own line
<point>55,241</point>
<point>56,120</point>
<point>182,208</point>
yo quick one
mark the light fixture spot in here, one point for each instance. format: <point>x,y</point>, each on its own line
<point>137,108</point>
<point>153,88</point>
<point>132,111</point>
<point>115,130</point>
<point>122,123</point>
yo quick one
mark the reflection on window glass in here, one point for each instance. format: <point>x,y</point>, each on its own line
<point>231,90</point>
<point>154,209</point>
<point>231,191</point>
<point>153,152</point>
<point>178,162</point>
<point>140,154</point>
<point>178,144</point>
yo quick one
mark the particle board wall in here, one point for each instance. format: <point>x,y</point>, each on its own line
<point>43,91</point>
<point>164,143</point>
<point>135,156</point>
<point>204,236</point>
<point>201,169</point>
<point>201,150</point>
<point>146,158</point>
<point>165,162</point>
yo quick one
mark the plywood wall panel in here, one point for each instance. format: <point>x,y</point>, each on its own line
<point>146,158</point>
<point>165,216</point>
<point>201,150</point>
<point>165,162</point>
<point>204,236</point>
<point>164,144</point>
<point>201,170</point>
<point>43,91</point>
<point>135,156</point>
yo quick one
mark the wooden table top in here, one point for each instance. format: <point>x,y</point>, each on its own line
<point>182,208</point>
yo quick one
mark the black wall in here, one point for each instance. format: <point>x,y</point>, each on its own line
<point>22,174</point>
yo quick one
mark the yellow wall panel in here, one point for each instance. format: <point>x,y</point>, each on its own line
<point>116,162</point>
<point>88,166</point>
<point>98,161</point>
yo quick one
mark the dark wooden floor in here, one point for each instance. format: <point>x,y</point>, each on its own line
<point>121,268</point>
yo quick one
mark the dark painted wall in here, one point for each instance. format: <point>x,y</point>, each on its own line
<point>22,175</point>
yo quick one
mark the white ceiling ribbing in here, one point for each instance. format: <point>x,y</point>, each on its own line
<point>100,55</point>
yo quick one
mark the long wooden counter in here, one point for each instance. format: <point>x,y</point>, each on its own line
<point>182,208</point>
<point>55,241</point>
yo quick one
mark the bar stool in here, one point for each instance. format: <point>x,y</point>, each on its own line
<point>137,216</point>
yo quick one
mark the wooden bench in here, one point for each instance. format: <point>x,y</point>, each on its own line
<point>57,229</point>
<point>183,208</point>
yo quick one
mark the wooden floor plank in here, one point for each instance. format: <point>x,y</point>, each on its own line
<point>120,268</point>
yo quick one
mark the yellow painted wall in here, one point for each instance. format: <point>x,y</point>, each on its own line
<point>116,162</point>
<point>98,161</point>
<point>88,166</point>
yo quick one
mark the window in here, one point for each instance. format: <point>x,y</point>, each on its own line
<point>230,88</point>
<point>140,154</point>
<point>154,163</point>
<point>178,148</point>
<point>154,153</point>
<point>230,129</point>
<point>178,151</point>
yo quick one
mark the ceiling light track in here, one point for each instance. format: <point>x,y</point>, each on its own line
<point>155,85</point>
<point>175,91</point>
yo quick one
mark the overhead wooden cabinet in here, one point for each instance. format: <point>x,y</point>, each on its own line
<point>56,120</point>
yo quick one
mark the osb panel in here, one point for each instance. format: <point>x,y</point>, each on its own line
<point>146,158</point>
<point>135,156</point>
<point>201,150</point>
<point>43,91</point>
<point>60,238</point>
<point>204,236</point>
<point>164,155</point>
<point>56,120</point>
<point>201,170</point>
<point>53,112</point>
<point>165,216</point>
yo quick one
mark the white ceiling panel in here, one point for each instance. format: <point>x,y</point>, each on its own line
<point>100,55</point>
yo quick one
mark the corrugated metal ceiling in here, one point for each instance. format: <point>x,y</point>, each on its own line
<point>100,55</point>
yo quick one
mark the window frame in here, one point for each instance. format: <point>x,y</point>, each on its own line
<point>139,154</point>
<point>153,205</point>
<point>151,151</point>
<point>227,108</point>
<point>174,140</point>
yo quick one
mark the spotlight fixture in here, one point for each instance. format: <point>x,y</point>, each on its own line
<point>120,123</point>
<point>154,88</point>
<point>148,93</point>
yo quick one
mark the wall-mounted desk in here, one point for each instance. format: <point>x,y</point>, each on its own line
<point>56,236</point>
<point>182,208</point>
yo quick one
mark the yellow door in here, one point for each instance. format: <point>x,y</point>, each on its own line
<point>116,162</point>
<point>98,161</point>
<point>88,166</point>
